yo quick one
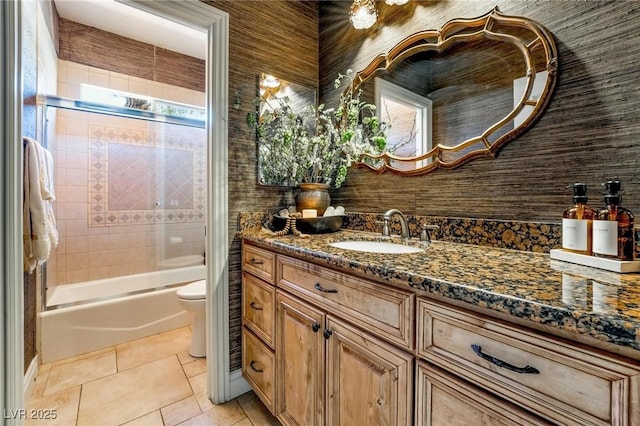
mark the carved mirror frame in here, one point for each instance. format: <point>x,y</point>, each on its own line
<point>530,38</point>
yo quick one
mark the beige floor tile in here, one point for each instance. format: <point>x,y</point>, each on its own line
<point>185,358</point>
<point>256,411</point>
<point>135,353</point>
<point>152,419</point>
<point>82,356</point>
<point>244,422</point>
<point>226,414</point>
<point>64,397</point>
<point>196,367</point>
<point>41,381</point>
<point>199,385</point>
<point>180,411</point>
<point>127,395</point>
<point>80,371</point>
<point>64,416</point>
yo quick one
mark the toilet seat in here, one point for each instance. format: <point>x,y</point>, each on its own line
<point>194,291</point>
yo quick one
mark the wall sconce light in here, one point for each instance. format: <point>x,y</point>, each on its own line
<point>363,14</point>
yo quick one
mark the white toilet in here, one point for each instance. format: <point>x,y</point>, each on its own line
<point>192,299</point>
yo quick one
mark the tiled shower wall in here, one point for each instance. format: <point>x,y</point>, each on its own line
<point>130,193</point>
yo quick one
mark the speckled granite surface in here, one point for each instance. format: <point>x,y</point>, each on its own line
<point>523,284</point>
<point>531,236</point>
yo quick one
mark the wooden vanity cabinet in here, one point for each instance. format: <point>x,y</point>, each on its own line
<point>563,382</point>
<point>328,348</point>
<point>258,322</point>
<point>331,372</point>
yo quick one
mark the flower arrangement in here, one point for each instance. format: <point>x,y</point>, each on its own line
<point>316,144</point>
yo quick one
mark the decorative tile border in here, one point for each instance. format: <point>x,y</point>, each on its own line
<point>99,212</point>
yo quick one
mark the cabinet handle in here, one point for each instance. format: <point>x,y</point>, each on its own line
<point>253,367</point>
<point>324,290</point>
<point>315,327</point>
<point>522,370</point>
<point>255,307</point>
<point>327,333</point>
<point>256,262</point>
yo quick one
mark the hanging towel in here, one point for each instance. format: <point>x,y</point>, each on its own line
<point>37,212</point>
<point>48,192</point>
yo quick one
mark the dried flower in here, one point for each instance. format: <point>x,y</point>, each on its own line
<point>316,144</point>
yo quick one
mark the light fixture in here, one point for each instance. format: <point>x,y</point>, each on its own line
<point>395,2</point>
<point>363,14</point>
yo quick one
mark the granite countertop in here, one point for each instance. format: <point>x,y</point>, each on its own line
<point>531,286</point>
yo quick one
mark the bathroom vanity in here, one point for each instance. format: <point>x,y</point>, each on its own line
<point>453,334</point>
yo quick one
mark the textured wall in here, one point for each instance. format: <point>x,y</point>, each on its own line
<point>101,49</point>
<point>589,132</point>
<point>276,37</point>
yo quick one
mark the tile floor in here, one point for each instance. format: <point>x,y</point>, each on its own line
<point>146,382</point>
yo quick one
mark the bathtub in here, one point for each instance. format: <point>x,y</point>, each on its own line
<point>93,315</point>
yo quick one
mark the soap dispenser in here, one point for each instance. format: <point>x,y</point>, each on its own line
<point>577,222</point>
<point>613,226</point>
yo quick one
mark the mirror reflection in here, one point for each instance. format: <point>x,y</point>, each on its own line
<point>459,93</point>
<point>275,92</point>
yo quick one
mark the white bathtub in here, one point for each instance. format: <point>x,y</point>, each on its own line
<point>88,316</point>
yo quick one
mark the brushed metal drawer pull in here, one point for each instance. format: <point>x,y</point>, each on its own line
<point>522,370</point>
<point>257,370</point>
<point>324,290</point>
<point>256,262</point>
<point>255,307</point>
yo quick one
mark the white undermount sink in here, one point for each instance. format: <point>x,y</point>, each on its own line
<point>376,247</point>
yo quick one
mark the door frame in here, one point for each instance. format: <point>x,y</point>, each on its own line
<point>186,12</point>
<point>11,276</point>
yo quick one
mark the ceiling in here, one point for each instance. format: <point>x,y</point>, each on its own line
<point>127,21</point>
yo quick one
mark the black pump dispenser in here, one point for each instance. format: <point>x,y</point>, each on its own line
<point>612,192</point>
<point>579,193</point>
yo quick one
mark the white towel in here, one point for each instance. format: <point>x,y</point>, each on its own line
<point>48,192</point>
<point>38,220</point>
<point>46,175</point>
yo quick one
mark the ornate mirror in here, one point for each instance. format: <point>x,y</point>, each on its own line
<point>459,93</point>
<point>275,93</point>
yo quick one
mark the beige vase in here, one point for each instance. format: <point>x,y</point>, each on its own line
<point>313,196</point>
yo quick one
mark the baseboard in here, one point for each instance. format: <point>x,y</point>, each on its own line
<point>237,384</point>
<point>30,379</point>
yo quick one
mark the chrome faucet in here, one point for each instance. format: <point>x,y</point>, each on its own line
<point>404,228</point>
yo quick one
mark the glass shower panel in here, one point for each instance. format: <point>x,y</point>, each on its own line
<point>131,195</point>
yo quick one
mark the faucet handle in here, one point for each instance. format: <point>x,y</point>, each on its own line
<point>385,228</point>
<point>424,234</point>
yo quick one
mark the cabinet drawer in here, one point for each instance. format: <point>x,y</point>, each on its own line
<point>258,368</point>
<point>258,307</point>
<point>443,399</point>
<point>564,383</point>
<point>384,311</point>
<point>259,262</point>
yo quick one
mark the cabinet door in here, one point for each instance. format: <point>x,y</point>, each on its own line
<point>445,400</point>
<point>369,382</point>
<point>300,363</point>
